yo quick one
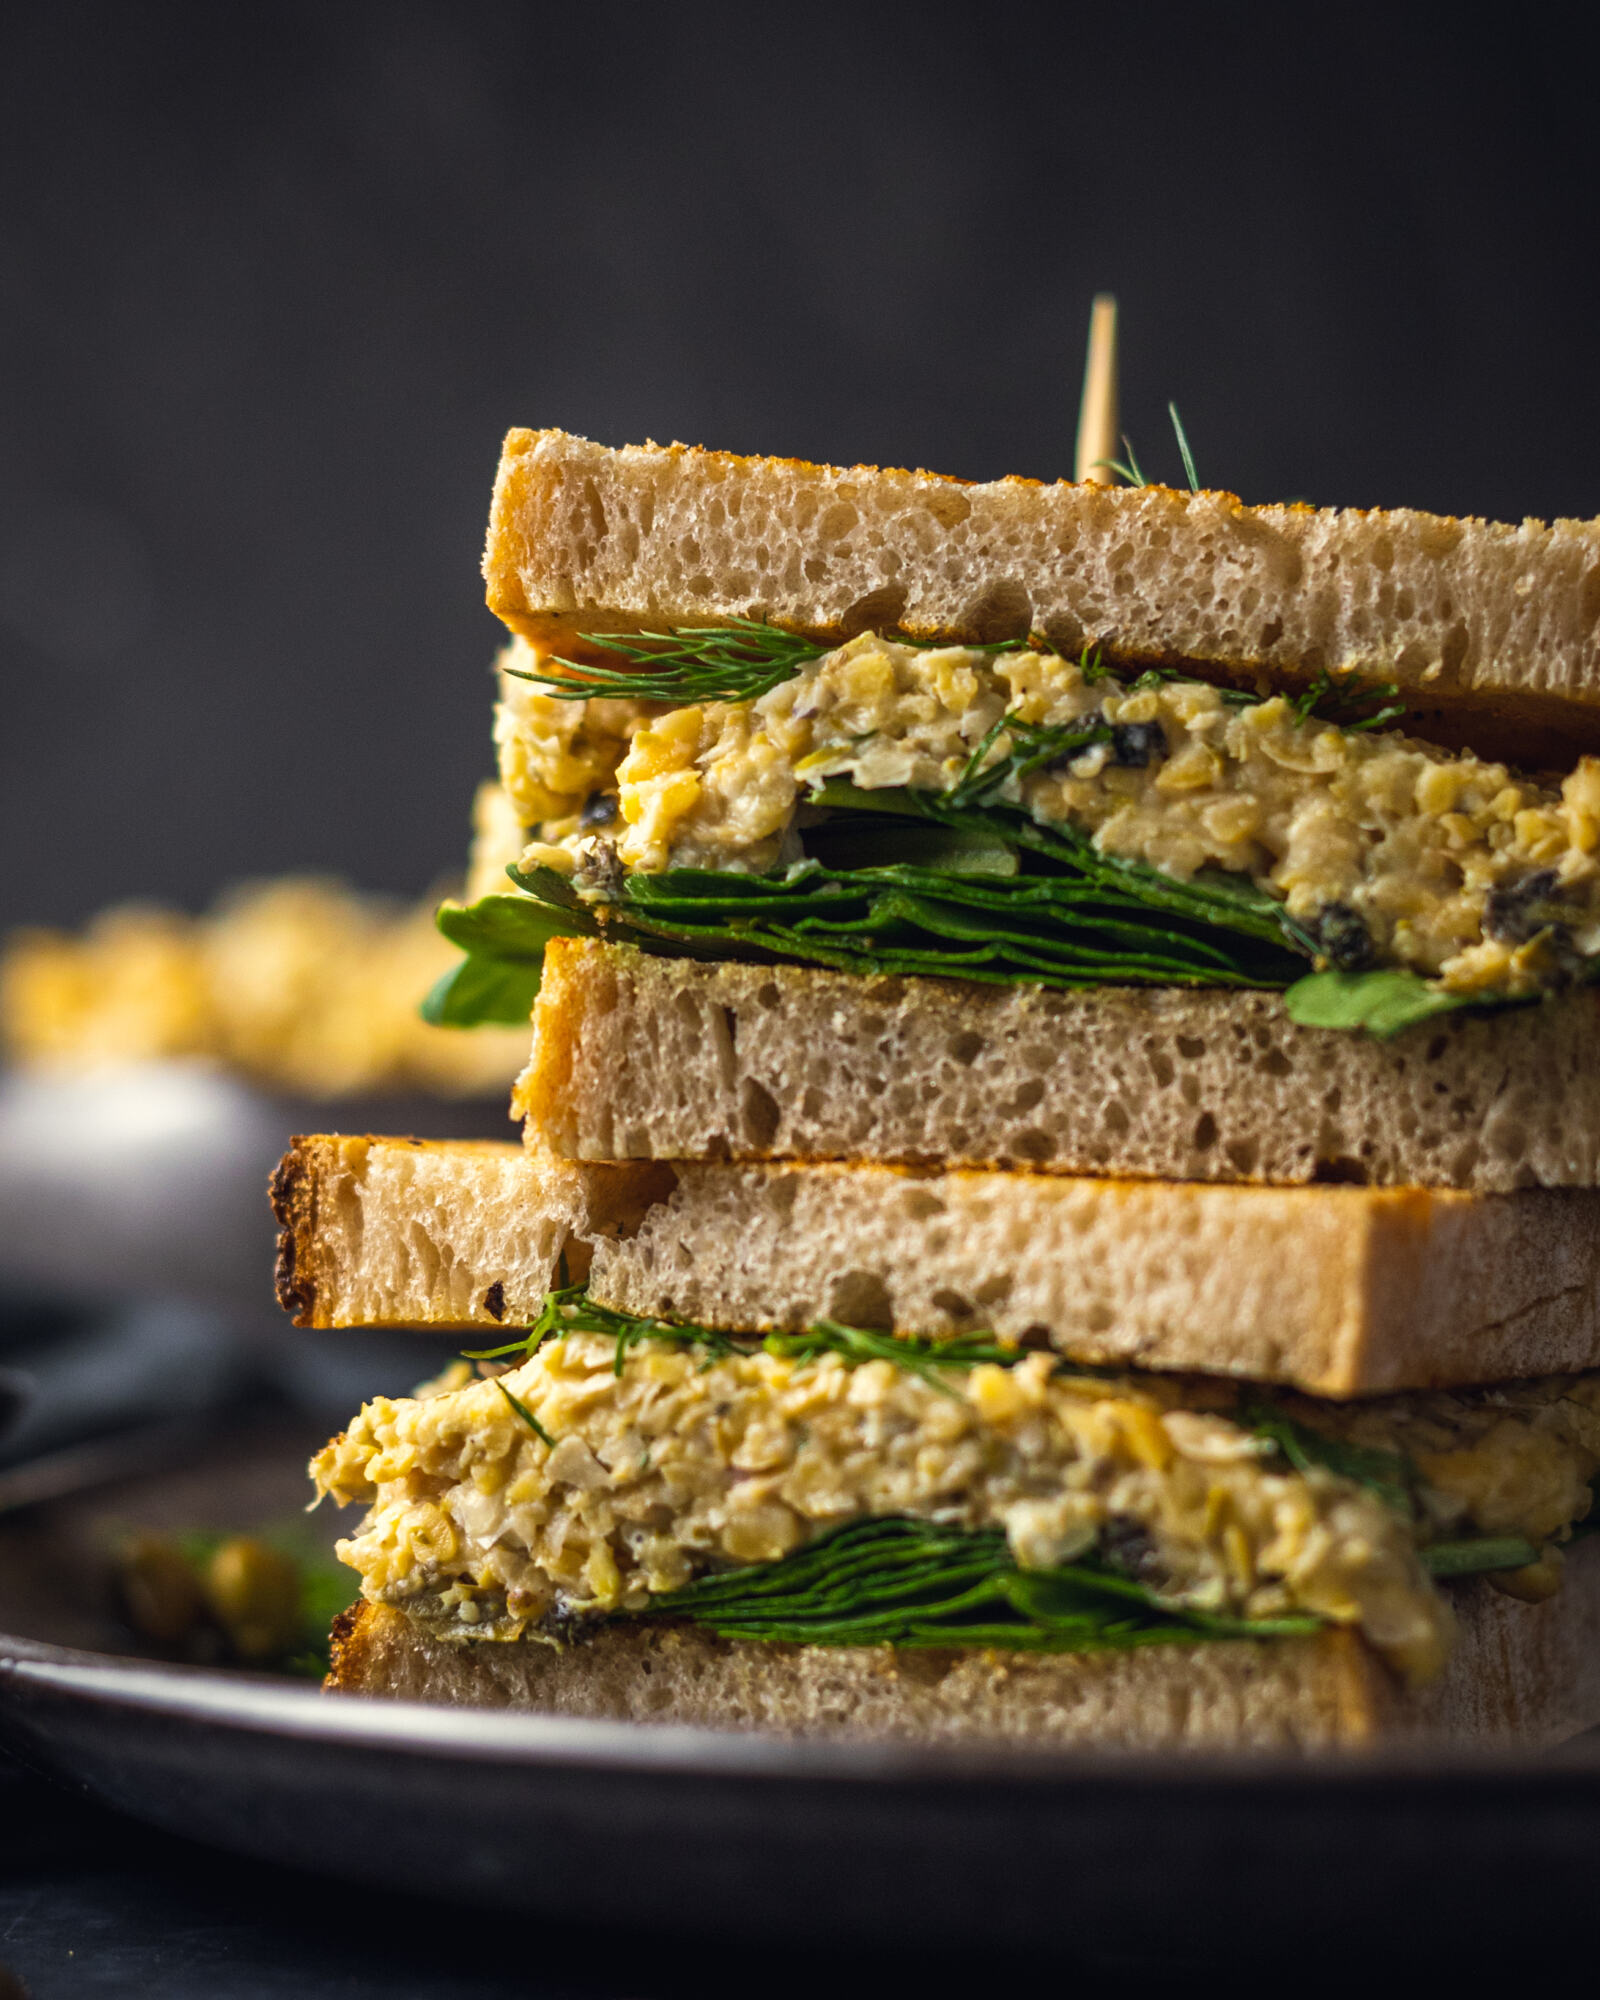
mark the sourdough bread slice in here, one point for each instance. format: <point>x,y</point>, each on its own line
<point>1341,1291</point>
<point>1521,1673</point>
<point>394,1232</point>
<point>636,1057</point>
<point>1492,631</point>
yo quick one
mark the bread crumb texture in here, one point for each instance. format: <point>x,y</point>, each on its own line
<point>636,1057</point>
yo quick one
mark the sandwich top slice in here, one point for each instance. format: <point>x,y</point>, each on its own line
<point>1472,618</point>
<point>1019,766</point>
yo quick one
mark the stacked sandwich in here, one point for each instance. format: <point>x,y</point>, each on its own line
<point>1061,1136</point>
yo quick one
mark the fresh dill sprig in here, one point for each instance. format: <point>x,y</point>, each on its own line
<point>549,1323</point>
<point>527,1416</point>
<point>1340,702</point>
<point>917,1356</point>
<point>738,660</point>
<point>569,1309</point>
<point>1034,745</point>
<point>1183,448</point>
<point>745,659</point>
<point>1127,469</point>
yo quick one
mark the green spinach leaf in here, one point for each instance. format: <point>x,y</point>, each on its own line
<point>912,1583</point>
<point>1384,1003</point>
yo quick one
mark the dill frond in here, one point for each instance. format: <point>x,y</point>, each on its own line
<point>738,660</point>
<point>1128,469</point>
<point>1183,449</point>
<point>527,1416</point>
<point>917,1356</point>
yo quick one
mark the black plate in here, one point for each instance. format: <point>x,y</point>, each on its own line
<point>660,1825</point>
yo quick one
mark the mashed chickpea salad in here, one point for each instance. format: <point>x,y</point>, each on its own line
<point>1006,814</point>
<point>844,1487</point>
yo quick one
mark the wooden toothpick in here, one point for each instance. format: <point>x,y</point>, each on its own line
<point>1097,414</point>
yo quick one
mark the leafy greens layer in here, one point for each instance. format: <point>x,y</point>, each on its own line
<point>896,883</point>
<point>912,1583</point>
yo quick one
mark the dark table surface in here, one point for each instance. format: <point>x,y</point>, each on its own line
<point>93,1904</point>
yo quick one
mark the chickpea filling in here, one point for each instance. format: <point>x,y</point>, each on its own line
<point>1387,850</point>
<point>586,1482</point>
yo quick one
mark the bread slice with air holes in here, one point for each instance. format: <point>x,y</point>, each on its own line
<point>395,1232</point>
<point>638,1057</point>
<point>1520,1673</point>
<point>1491,631</point>
<point>1341,1291</point>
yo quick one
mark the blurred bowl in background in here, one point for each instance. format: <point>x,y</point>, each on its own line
<point>144,1179</point>
<point>151,1178</point>
<point>137,1249</point>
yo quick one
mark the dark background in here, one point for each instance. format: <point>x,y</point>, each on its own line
<point>274,282</point>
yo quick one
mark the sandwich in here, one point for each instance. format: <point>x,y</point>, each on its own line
<point>1060,1164</point>
<point>1177,785</point>
<point>631,1500</point>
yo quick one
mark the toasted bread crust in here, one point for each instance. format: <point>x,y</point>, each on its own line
<point>292,1191</point>
<point>1492,631</point>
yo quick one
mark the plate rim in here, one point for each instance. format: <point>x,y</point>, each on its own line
<point>236,1699</point>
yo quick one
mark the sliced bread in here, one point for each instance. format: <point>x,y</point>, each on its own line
<point>398,1232</point>
<point>636,1057</point>
<point>1341,1291</point>
<point>1492,631</point>
<point>1527,1674</point>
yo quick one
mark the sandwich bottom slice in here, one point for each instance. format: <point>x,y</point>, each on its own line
<point>1523,1674</point>
<point>638,1057</point>
<point>846,1531</point>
